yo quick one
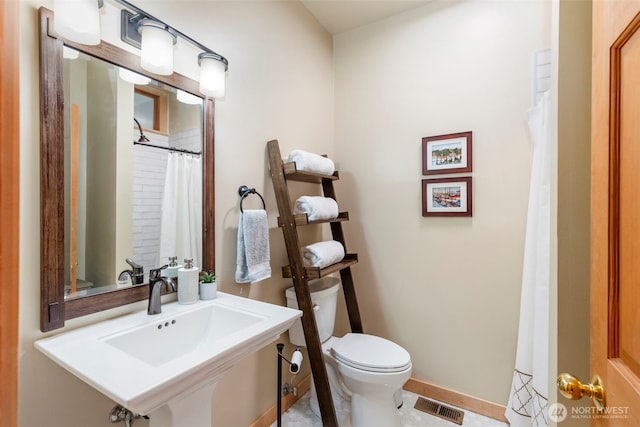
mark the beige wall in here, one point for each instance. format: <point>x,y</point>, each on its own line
<point>124,175</point>
<point>447,289</point>
<point>280,85</point>
<point>101,160</point>
<point>574,119</point>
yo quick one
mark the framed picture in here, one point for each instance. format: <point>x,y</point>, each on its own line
<point>446,153</point>
<point>446,197</point>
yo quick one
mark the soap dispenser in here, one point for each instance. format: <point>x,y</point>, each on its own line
<point>188,283</point>
<point>172,270</point>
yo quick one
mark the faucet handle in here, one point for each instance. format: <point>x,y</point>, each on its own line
<point>137,273</point>
<point>134,265</point>
<point>154,273</point>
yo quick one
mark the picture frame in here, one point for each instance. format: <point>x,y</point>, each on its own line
<point>451,153</point>
<point>447,197</point>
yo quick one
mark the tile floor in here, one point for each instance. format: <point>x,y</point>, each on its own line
<point>300,415</point>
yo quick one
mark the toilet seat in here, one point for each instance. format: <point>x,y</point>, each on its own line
<point>370,353</point>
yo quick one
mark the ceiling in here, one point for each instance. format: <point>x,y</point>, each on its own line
<point>338,16</point>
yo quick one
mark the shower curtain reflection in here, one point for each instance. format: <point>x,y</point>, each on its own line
<point>181,220</point>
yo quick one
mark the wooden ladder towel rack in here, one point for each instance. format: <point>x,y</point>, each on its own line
<point>280,174</point>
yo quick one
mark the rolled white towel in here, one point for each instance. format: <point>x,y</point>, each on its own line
<point>322,254</point>
<point>316,207</point>
<point>311,162</point>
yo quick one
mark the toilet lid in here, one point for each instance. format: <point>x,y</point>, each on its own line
<point>371,353</point>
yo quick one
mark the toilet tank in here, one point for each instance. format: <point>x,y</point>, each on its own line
<point>324,297</point>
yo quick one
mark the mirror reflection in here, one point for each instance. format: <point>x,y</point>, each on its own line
<point>133,175</point>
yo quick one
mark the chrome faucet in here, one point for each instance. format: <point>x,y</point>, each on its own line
<point>155,289</point>
<point>136,273</point>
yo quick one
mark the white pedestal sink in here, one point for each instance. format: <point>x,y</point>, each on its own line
<point>166,366</point>
<point>190,410</point>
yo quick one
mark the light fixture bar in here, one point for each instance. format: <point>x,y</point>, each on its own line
<point>129,29</point>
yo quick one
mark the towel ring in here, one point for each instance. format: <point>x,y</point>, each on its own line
<point>244,191</point>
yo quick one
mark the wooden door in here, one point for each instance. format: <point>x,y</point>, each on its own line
<point>615,206</point>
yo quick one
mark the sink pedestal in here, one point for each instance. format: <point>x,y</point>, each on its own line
<point>187,411</point>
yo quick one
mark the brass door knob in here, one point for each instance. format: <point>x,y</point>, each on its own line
<point>571,388</point>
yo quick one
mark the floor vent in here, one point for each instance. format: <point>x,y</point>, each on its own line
<point>439,410</point>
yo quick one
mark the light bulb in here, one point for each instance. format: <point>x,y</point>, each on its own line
<point>212,75</point>
<point>156,51</point>
<point>77,20</point>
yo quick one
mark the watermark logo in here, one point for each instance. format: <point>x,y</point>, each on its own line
<point>558,412</point>
<point>608,412</point>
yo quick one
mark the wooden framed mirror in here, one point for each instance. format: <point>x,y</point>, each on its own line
<point>54,307</point>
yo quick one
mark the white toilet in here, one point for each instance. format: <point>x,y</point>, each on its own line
<point>366,370</point>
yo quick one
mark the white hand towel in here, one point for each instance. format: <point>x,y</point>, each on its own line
<point>253,256</point>
<point>322,254</point>
<point>316,207</point>
<point>311,162</point>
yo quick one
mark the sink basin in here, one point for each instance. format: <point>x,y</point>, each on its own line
<point>143,362</point>
<point>166,339</point>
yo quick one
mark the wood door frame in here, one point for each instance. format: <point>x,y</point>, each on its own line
<point>9,210</point>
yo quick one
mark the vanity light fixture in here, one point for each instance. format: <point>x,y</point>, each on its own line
<point>135,24</point>
<point>212,74</point>
<point>78,20</point>
<point>156,46</point>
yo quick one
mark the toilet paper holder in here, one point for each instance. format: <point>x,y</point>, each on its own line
<point>294,367</point>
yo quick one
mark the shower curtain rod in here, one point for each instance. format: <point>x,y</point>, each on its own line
<point>177,150</point>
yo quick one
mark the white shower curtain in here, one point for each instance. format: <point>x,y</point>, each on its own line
<point>529,390</point>
<point>181,223</point>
